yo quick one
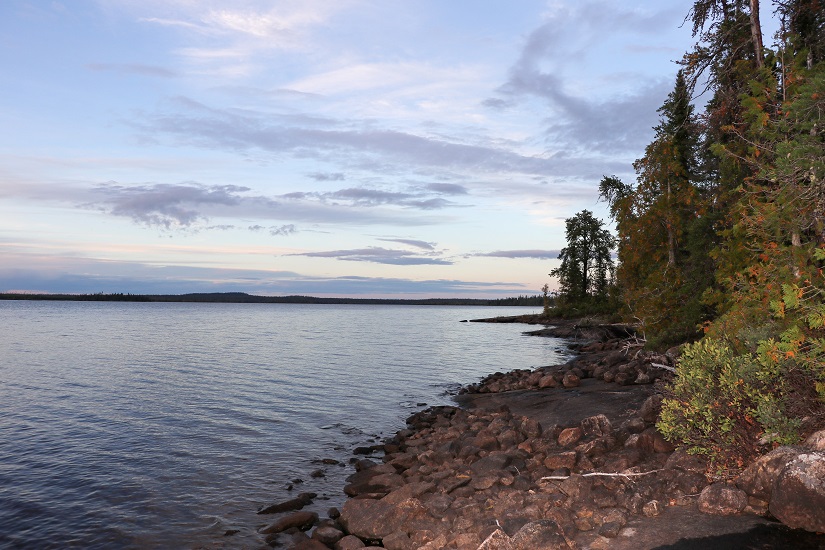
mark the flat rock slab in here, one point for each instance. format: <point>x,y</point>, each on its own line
<point>685,528</point>
<point>565,407</point>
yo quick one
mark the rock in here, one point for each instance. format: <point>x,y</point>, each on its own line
<point>407,491</point>
<point>530,428</point>
<point>543,534</point>
<point>289,505</point>
<point>376,519</point>
<point>565,459</point>
<point>798,498</point>
<point>682,460</point>
<point>645,442</point>
<point>381,483</point>
<point>643,378</point>
<point>491,463</point>
<point>498,540</point>
<point>328,535</point>
<point>634,425</point>
<point>610,529</point>
<point>570,380</point>
<point>349,542</point>
<point>309,544</point>
<point>623,379</point>
<point>300,520</point>
<point>758,479</point>
<point>596,426</point>
<point>548,382</point>
<point>652,508</point>
<point>397,541</point>
<point>649,411</point>
<point>816,441</point>
<point>570,436</point>
<point>722,500</point>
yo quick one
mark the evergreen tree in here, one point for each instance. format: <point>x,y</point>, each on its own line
<point>586,269</point>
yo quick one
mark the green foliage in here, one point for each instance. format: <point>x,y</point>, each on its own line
<point>732,208</point>
<point>722,403</point>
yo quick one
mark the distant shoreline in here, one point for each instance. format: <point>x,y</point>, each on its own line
<point>244,298</point>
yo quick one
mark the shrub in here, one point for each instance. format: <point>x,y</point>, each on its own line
<point>722,403</point>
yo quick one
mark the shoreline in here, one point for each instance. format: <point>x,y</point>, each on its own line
<point>565,456</point>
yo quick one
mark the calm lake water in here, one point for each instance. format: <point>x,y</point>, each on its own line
<point>129,425</point>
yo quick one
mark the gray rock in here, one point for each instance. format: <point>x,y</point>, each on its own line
<point>759,478</point>
<point>816,441</point>
<point>798,498</point>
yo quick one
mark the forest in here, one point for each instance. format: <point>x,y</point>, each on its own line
<point>721,238</point>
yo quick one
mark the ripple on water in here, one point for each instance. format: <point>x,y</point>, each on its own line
<point>164,425</point>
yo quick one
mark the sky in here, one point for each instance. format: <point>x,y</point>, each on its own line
<point>364,148</point>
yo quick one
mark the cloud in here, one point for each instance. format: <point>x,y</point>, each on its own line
<point>358,145</point>
<point>283,231</point>
<point>369,198</point>
<point>72,274</point>
<point>134,68</point>
<point>379,256</point>
<point>320,176</point>
<point>618,123</point>
<point>412,242</point>
<point>535,254</point>
<point>166,205</point>
<point>447,188</point>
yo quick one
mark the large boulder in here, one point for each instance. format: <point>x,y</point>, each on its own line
<point>370,519</point>
<point>798,498</point>
<point>759,478</point>
<point>722,500</point>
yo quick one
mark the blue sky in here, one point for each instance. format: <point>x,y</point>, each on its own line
<point>334,148</point>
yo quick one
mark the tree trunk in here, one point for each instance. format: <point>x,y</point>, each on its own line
<point>756,32</point>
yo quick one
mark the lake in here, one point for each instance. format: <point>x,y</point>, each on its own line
<point>166,425</point>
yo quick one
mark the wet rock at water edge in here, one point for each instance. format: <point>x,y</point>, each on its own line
<point>300,520</point>
<point>296,503</point>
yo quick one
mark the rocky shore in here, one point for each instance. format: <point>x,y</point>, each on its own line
<point>561,457</point>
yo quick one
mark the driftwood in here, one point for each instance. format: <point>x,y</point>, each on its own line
<point>661,366</point>
<point>603,474</point>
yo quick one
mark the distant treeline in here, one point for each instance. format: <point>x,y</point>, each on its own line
<point>244,298</point>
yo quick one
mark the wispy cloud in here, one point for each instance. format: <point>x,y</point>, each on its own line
<point>355,144</point>
<point>618,123</point>
<point>411,242</point>
<point>534,254</point>
<point>379,255</point>
<point>134,68</point>
<point>324,176</point>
